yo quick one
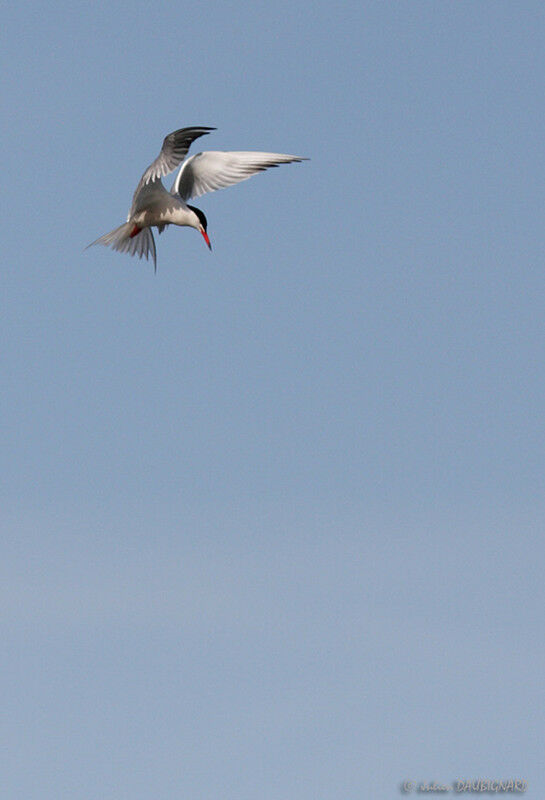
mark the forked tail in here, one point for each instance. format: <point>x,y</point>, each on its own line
<point>125,240</point>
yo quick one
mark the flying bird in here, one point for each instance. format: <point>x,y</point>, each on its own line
<point>153,206</point>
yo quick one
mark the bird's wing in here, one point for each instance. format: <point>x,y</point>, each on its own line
<point>205,172</point>
<point>173,151</point>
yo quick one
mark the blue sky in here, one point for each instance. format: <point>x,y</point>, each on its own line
<point>273,517</point>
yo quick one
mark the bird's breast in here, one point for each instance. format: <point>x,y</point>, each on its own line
<point>172,215</point>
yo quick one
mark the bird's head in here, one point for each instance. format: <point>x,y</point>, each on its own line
<point>201,224</point>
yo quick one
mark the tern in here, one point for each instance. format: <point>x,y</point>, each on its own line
<point>153,206</point>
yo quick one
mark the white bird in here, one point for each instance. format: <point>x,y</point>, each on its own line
<point>152,205</point>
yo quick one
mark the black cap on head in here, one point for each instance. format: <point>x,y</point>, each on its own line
<point>199,213</point>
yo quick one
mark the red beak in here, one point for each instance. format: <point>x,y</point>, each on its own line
<point>206,239</point>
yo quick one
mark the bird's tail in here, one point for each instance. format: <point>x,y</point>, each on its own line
<point>128,239</point>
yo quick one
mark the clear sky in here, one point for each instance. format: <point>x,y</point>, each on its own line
<point>273,518</point>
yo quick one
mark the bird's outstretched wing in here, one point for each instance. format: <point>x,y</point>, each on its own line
<point>205,172</point>
<point>174,149</point>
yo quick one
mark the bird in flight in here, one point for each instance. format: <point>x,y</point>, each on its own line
<point>204,172</point>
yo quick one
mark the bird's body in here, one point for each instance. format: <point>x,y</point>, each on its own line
<point>154,206</point>
<point>157,207</point>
